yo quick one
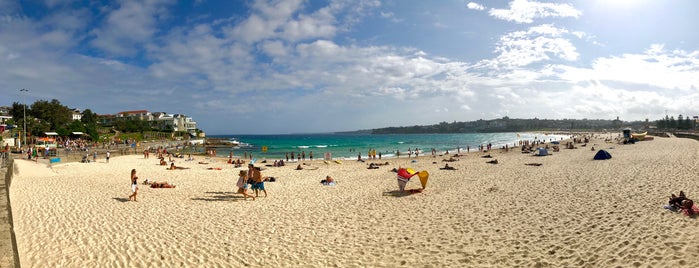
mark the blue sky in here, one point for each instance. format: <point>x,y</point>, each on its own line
<point>294,66</point>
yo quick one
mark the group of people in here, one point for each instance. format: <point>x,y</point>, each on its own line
<point>680,203</point>
<point>134,185</point>
<point>253,177</point>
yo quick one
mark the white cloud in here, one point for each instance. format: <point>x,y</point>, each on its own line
<point>126,28</point>
<point>475,6</point>
<point>525,11</point>
<point>673,70</point>
<point>537,44</point>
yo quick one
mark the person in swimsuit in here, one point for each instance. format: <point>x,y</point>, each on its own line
<point>258,183</point>
<point>134,185</point>
<point>243,184</point>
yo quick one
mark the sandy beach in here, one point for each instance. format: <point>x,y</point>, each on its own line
<point>569,212</point>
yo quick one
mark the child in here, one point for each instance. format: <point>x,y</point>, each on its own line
<point>243,185</point>
<point>134,185</point>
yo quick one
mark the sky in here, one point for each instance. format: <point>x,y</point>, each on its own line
<point>295,66</point>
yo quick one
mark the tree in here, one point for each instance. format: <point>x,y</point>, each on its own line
<point>53,113</point>
<point>88,117</point>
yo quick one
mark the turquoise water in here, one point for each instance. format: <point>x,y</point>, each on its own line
<point>348,146</point>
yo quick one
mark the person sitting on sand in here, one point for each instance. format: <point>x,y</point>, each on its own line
<point>243,185</point>
<point>299,167</point>
<point>448,167</point>
<point>675,202</point>
<point>162,162</point>
<point>328,181</point>
<point>495,161</point>
<point>173,167</point>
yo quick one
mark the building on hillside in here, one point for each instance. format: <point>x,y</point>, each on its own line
<point>157,120</point>
<point>77,115</point>
<point>138,114</point>
<point>174,122</point>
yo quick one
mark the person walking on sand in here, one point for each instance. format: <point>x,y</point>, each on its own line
<point>258,183</point>
<point>243,185</point>
<point>134,185</point>
<point>108,154</point>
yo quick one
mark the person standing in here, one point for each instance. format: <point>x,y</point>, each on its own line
<point>134,185</point>
<point>108,154</point>
<point>258,183</point>
<point>94,157</point>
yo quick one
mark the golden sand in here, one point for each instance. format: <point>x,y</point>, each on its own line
<point>569,212</point>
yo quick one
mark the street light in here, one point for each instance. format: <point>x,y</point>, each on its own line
<point>25,116</point>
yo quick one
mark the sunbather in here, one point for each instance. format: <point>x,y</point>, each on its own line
<point>161,185</point>
<point>173,167</point>
<point>448,167</point>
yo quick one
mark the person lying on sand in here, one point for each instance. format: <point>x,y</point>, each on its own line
<point>161,185</point>
<point>689,209</point>
<point>373,166</point>
<point>534,164</point>
<point>451,159</point>
<point>495,161</point>
<point>328,181</point>
<point>173,167</point>
<point>448,167</point>
<point>486,156</point>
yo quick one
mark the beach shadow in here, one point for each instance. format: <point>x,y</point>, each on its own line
<point>397,193</point>
<point>220,196</point>
<point>121,199</point>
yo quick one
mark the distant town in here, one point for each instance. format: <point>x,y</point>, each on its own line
<point>44,118</point>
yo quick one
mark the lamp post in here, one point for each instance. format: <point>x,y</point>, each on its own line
<point>25,116</point>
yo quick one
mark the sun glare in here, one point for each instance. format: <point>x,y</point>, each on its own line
<point>620,3</point>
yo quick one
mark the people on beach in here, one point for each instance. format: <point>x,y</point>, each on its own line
<point>688,208</point>
<point>108,155</point>
<point>243,185</point>
<point>258,184</point>
<point>495,161</point>
<point>403,176</point>
<point>328,181</point>
<point>676,201</point>
<point>451,159</point>
<point>680,203</point>
<point>161,185</point>
<point>173,167</point>
<point>448,167</point>
<point>134,185</point>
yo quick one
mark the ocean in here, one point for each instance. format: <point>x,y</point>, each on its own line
<point>348,146</point>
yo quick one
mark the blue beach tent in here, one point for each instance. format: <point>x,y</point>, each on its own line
<point>602,155</point>
<point>542,152</point>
